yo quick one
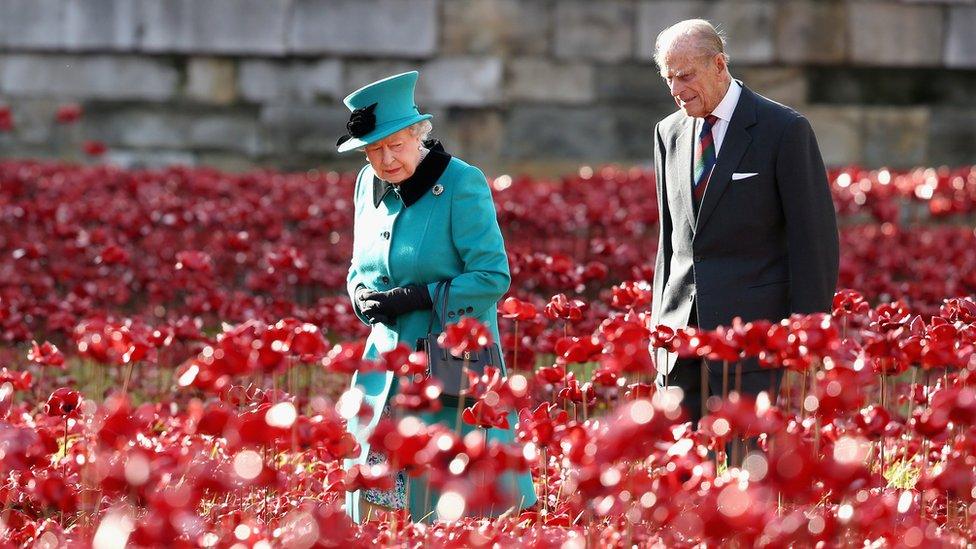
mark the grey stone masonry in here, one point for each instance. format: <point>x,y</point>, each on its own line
<point>392,28</point>
<point>461,81</point>
<point>102,24</point>
<point>269,80</point>
<point>215,26</point>
<point>961,39</point>
<point>601,30</point>
<point>513,84</point>
<point>495,27</point>
<point>885,33</point>
<point>31,24</point>
<point>539,79</point>
<point>88,76</point>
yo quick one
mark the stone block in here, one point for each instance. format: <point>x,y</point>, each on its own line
<point>896,137</point>
<point>393,28</point>
<point>886,33</point>
<point>495,27</point>
<point>31,24</point>
<point>631,82</point>
<point>461,82</point>
<point>136,127</point>
<point>839,132</point>
<point>960,49</point>
<point>951,134</point>
<point>226,162</point>
<point>540,79</point>
<point>156,159</point>
<point>265,80</point>
<point>891,86</point>
<point>215,26</point>
<point>787,85</point>
<point>223,131</point>
<point>90,76</point>
<point>34,122</point>
<point>101,24</point>
<point>811,32</point>
<point>289,128</point>
<point>211,80</point>
<point>542,133</point>
<point>474,135</point>
<point>602,31</point>
<point>748,25</point>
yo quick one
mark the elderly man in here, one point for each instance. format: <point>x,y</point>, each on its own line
<point>747,224</point>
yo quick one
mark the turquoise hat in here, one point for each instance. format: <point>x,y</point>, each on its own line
<point>380,109</point>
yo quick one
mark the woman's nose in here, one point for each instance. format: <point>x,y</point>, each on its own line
<point>388,157</point>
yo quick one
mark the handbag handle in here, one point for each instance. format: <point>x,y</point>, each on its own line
<point>446,286</point>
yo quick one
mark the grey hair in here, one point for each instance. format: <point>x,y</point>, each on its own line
<point>708,40</point>
<point>422,129</point>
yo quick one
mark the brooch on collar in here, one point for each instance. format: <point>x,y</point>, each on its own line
<point>437,189</point>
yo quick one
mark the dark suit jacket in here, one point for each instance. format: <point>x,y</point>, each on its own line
<point>765,246</point>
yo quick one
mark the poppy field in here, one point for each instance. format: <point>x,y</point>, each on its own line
<point>177,345</point>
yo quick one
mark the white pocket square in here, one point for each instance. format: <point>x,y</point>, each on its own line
<point>738,176</point>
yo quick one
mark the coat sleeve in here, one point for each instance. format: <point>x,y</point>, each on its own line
<point>811,223</point>
<point>485,275</point>
<point>663,260</point>
<point>353,280</point>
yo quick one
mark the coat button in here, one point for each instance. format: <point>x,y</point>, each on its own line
<point>469,310</point>
<point>450,314</point>
<point>460,312</point>
<point>385,280</point>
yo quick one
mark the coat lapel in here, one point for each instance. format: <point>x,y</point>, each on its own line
<point>734,145</point>
<point>680,174</point>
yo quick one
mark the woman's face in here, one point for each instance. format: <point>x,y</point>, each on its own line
<point>395,157</point>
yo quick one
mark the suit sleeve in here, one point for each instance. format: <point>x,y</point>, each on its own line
<point>478,239</point>
<point>663,260</point>
<point>811,223</point>
<point>353,280</point>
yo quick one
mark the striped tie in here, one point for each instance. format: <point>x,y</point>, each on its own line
<point>704,159</point>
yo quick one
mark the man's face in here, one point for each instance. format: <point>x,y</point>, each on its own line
<point>395,158</point>
<point>697,83</point>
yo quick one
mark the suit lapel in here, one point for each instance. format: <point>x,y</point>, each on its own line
<point>680,174</point>
<point>734,145</point>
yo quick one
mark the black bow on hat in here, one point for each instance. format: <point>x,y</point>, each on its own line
<point>361,122</point>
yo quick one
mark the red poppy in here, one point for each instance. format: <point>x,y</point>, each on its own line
<point>63,402</point>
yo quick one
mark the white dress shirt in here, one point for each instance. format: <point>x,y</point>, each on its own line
<point>724,112</point>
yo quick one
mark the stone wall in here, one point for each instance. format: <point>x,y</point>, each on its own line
<point>521,85</point>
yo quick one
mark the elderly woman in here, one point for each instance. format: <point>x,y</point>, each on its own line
<point>422,217</point>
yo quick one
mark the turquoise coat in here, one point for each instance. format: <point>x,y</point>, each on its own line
<point>439,227</point>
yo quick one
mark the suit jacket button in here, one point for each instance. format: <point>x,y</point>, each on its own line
<point>385,280</point>
<point>698,258</point>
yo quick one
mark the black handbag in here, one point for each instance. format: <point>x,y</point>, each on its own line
<point>448,368</point>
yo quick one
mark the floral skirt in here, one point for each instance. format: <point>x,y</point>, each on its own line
<point>394,498</point>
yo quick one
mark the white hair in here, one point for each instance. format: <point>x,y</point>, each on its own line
<point>422,129</point>
<point>706,38</point>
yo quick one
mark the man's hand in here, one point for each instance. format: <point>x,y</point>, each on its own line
<point>385,307</point>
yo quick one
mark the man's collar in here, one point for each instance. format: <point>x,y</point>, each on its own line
<point>725,109</point>
<point>424,177</point>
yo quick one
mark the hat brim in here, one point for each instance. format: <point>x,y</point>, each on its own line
<point>381,131</point>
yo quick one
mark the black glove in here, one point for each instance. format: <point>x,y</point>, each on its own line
<point>386,306</point>
<point>369,311</point>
